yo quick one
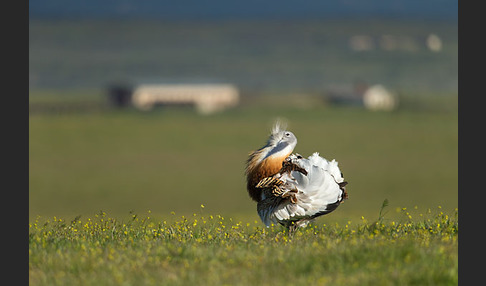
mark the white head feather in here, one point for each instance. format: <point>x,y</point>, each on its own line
<point>278,131</point>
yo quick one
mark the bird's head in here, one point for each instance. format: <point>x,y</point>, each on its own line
<point>281,142</point>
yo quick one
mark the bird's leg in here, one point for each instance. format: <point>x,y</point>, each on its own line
<point>292,227</point>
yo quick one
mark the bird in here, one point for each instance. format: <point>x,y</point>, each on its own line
<point>289,189</point>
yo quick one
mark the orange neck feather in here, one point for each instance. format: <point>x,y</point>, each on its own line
<point>256,171</point>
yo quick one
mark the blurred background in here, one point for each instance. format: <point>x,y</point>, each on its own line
<point>138,106</point>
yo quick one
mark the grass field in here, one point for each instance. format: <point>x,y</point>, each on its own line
<point>175,160</point>
<point>95,178</point>
<point>214,250</point>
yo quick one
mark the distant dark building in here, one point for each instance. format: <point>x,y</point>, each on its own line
<point>347,95</point>
<point>374,97</point>
<point>120,95</point>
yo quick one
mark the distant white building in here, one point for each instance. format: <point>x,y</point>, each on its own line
<point>207,98</point>
<point>385,42</point>
<point>377,97</point>
<point>434,43</point>
<point>361,43</point>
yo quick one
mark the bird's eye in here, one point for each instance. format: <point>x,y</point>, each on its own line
<point>287,134</point>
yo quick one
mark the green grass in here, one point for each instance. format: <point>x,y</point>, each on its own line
<point>148,172</point>
<point>214,250</point>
